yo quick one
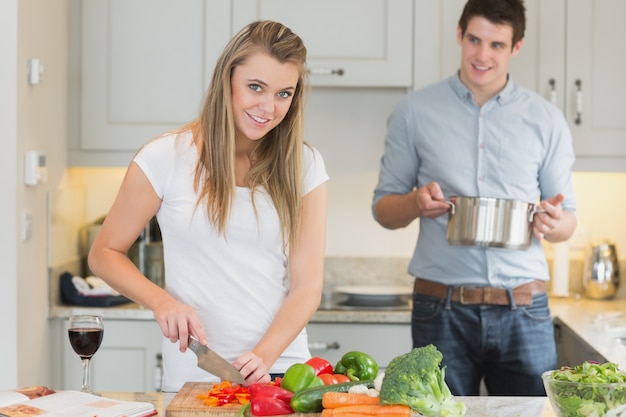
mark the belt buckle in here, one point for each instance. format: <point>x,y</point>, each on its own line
<point>462,294</point>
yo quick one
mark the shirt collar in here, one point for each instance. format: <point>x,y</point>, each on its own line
<point>465,94</point>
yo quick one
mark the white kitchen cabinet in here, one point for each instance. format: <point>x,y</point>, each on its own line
<point>593,58</point>
<point>566,42</point>
<point>350,43</point>
<point>138,69</point>
<point>126,360</point>
<point>383,341</point>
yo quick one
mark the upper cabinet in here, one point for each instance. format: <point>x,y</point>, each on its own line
<point>350,43</point>
<point>138,68</point>
<point>566,56</point>
<point>595,83</point>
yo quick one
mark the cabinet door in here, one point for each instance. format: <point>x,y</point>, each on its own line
<point>349,42</point>
<point>126,360</point>
<point>595,109</point>
<point>382,341</point>
<point>143,68</point>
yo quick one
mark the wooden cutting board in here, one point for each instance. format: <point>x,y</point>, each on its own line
<point>186,404</point>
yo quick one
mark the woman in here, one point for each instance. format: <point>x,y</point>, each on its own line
<point>241,204</point>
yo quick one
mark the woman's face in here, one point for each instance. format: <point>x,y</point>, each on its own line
<point>262,89</point>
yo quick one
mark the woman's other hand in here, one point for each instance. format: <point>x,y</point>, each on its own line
<point>252,368</point>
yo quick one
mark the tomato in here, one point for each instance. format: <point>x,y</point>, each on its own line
<point>331,379</point>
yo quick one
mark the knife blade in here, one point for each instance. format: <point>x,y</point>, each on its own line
<point>214,363</point>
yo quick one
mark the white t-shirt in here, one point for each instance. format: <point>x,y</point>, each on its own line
<point>237,283</point>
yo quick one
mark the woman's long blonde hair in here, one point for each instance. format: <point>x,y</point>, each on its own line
<point>276,158</point>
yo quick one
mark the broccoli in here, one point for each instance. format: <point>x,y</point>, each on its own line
<point>417,380</point>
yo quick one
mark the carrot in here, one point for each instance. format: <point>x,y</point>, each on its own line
<point>373,410</point>
<point>327,412</point>
<point>334,399</point>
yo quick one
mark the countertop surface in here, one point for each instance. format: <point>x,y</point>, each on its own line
<point>476,406</point>
<point>600,323</point>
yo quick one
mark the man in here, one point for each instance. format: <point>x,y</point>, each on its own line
<point>477,133</point>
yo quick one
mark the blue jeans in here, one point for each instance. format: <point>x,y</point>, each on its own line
<point>508,347</point>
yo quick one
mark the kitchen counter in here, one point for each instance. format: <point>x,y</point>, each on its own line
<point>597,322</point>
<point>476,406</point>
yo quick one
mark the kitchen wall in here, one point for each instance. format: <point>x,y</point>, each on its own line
<point>33,117</point>
<point>348,127</point>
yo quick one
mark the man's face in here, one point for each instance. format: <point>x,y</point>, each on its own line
<point>485,53</point>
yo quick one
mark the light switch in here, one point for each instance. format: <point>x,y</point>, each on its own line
<point>35,71</point>
<point>27,226</point>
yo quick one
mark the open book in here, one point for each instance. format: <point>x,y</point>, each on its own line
<point>70,404</point>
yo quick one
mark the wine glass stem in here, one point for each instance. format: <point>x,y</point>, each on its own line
<point>85,387</point>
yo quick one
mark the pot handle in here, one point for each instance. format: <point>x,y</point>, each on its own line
<point>531,215</point>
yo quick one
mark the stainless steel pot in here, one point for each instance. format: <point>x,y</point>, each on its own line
<point>486,221</point>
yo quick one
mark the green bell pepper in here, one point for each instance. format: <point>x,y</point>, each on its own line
<point>300,376</point>
<point>357,366</point>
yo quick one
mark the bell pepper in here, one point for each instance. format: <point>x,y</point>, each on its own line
<point>268,400</point>
<point>331,379</point>
<point>321,365</point>
<point>357,366</point>
<point>300,376</point>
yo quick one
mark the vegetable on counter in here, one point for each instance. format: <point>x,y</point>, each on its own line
<point>357,366</point>
<point>321,365</point>
<point>268,400</point>
<point>417,380</point>
<point>300,376</point>
<point>225,393</point>
<point>310,400</point>
<point>590,400</point>
<point>368,410</point>
<point>333,399</point>
<point>330,379</point>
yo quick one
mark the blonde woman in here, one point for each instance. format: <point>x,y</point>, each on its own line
<point>241,203</point>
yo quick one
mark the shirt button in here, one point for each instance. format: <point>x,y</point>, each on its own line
<point>481,146</point>
<point>481,178</point>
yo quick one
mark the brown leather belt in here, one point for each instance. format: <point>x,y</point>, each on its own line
<point>467,294</point>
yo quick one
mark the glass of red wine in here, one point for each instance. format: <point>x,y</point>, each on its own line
<point>85,333</point>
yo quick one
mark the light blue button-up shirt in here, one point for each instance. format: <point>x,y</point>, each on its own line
<point>516,146</point>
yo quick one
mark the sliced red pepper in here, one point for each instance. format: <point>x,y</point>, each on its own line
<point>321,365</point>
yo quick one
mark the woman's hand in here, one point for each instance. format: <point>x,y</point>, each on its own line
<point>177,321</point>
<point>252,368</point>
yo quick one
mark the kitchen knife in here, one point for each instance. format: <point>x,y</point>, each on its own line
<point>214,363</point>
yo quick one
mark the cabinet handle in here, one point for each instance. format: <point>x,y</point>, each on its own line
<point>324,346</point>
<point>326,71</point>
<point>553,98</point>
<point>158,373</point>
<point>579,102</point>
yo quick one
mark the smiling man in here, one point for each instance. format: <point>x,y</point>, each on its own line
<point>478,134</point>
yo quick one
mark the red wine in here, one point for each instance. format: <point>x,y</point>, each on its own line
<point>85,341</point>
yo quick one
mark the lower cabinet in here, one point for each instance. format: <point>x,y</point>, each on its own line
<point>383,341</point>
<point>127,360</point>
<point>571,350</point>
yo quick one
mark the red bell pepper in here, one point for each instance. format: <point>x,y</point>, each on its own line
<point>268,400</point>
<point>321,365</point>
